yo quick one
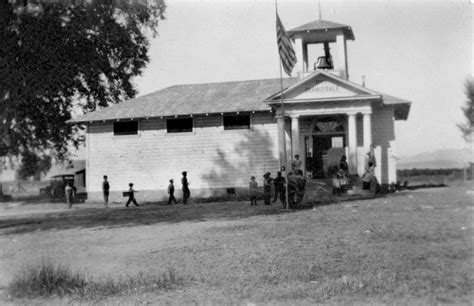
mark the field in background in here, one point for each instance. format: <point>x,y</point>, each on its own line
<point>416,177</point>
<point>408,247</point>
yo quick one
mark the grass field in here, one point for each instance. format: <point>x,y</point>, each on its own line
<point>431,179</point>
<point>412,247</point>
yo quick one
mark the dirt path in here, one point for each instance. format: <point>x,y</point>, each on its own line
<point>105,242</point>
<point>97,251</point>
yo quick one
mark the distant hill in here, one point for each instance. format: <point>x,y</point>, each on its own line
<point>439,159</point>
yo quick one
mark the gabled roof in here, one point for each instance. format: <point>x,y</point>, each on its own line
<point>193,99</point>
<point>228,97</point>
<point>322,25</point>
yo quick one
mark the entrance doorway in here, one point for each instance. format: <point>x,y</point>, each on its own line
<point>327,152</point>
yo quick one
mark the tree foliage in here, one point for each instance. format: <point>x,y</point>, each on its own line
<point>33,165</point>
<point>467,126</point>
<point>57,57</point>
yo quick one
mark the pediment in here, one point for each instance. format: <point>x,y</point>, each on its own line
<point>321,89</point>
<point>321,85</point>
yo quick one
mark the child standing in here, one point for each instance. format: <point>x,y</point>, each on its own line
<point>171,193</point>
<point>185,183</point>
<point>68,190</point>
<point>279,183</point>
<point>105,191</point>
<point>131,196</point>
<point>253,191</point>
<point>267,188</point>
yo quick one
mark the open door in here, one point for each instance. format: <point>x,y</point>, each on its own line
<point>328,150</point>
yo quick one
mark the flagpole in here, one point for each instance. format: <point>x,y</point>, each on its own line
<point>284,161</point>
<point>319,6</point>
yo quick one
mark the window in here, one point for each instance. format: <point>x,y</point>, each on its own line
<point>179,125</point>
<point>237,122</point>
<point>126,128</point>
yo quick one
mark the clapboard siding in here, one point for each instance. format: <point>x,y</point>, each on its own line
<point>383,135</point>
<point>212,156</point>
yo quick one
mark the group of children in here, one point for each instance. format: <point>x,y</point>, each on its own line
<point>131,192</point>
<point>185,188</point>
<point>279,183</point>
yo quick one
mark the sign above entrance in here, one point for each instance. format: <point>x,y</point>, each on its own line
<point>318,89</point>
<point>324,89</point>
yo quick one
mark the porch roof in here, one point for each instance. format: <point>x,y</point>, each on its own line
<point>401,106</point>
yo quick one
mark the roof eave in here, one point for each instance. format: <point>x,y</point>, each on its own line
<point>332,99</point>
<point>291,34</point>
<point>88,121</point>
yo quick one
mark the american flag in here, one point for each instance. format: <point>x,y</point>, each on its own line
<point>285,48</point>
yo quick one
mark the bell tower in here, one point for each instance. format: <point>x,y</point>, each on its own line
<point>321,45</point>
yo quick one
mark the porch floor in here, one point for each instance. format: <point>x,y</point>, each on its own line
<point>323,190</point>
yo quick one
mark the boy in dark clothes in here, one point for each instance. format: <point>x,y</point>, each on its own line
<point>267,188</point>
<point>131,196</point>
<point>185,183</point>
<point>171,193</point>
<point>279,183</point>
<point>105,190</point>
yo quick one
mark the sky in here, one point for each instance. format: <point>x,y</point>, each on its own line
<point>420,51</point>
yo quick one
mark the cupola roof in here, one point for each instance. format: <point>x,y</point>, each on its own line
<point>322,26</point>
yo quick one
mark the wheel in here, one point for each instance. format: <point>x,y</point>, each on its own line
<point>43,193</point>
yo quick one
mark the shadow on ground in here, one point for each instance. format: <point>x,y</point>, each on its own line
<point>150,213</point>
<point>146,214</point>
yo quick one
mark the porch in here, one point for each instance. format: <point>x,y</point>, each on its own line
<point>321,140</point>
<point>324,117</point>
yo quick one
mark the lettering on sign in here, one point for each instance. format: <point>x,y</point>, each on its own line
<point>324,88</point>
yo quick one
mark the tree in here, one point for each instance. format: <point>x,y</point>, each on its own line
<point>62,56</point>
<point>467,126</point>
<point>33,165</point>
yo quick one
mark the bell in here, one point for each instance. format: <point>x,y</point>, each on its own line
<point>323,62</point>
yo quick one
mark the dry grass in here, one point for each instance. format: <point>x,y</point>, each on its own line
<point>411,247</point>
<point>50,280</point>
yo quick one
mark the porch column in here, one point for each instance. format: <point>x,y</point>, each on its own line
<point>281,141</point>
<point>352,130</point>
<point>342,58</point>
<point>295,136</point>
<point>367,131</point>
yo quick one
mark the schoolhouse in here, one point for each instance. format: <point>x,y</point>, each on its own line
<point>223,133</point>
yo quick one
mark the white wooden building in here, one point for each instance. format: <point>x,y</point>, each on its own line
<point>223,133</point>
